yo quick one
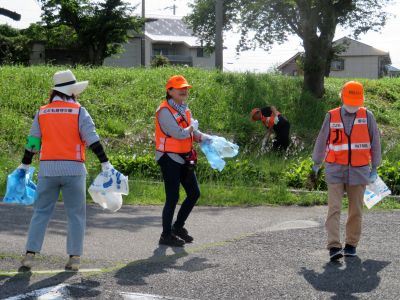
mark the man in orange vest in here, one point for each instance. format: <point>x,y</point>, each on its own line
<point>273,121</point>
<point>175,133</point>
<point>349,143</point>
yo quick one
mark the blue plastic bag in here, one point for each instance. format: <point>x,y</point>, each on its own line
<point>216,149</point>
<point>20,187</point>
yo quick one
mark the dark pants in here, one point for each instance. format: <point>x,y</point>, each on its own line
<point>282,131</point>
<point>175,174</point>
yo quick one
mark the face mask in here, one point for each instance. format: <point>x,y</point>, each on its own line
<point>350,109</point>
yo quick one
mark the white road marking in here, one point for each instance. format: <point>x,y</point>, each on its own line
<point>58,292</point>
<point>139,296</point>
<point>53,271</point>
<point>296,224</point>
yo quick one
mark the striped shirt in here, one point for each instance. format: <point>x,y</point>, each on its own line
<point>87,131</point>
<point>336,173</point>
<point>169,126</point>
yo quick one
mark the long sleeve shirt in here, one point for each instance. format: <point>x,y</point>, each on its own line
<point>335,173</point>
<point>170,127</point>
<point>88,135</point>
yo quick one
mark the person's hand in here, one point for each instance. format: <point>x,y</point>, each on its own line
<point>190,129</point>
<point>315,168</point>
<point>206,139</point>
<point>195,124</point>
<point>24,167</point>
<point>373,175</point>
<point>106,166</point>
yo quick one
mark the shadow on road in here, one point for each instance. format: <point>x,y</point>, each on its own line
<point>136,272</point>
<point>20,284</point>
<point>347,279</point>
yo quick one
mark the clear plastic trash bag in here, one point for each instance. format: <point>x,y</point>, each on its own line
<point>375,192</point>
<point>20,187</point>
<point>107,189</point>
<point>216,149</point>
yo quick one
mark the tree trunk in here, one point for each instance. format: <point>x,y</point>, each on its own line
<point>315,60</point>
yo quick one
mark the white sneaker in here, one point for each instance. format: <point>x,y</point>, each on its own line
<point>28,260</point>
<point>73,263</point>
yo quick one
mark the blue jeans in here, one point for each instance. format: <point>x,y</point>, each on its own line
<point>175,174</point>
<point>73,190</point>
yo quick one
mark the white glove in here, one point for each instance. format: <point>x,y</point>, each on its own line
<point>194,123</point>
<point>276,120</point>
<point>106,166</point>
<point>24,167</point>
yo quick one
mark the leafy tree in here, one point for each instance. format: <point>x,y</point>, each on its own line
<point>263,22</point>
<point>160,61</point>
<point>14,47</point>
<point>100,26</point>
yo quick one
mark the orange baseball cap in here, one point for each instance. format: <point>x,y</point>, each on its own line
<point>177,82</point>
<point>253,112</point>
<point>353,93</point>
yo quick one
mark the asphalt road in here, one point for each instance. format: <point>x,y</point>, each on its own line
<point>238,253</point>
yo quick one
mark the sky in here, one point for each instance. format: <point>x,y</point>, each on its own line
<point>255,61</point>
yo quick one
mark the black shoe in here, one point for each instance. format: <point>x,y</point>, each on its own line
<point>171,240</point>
<point>335,253</point>
<point>349,250</point>
<point>183,234</point>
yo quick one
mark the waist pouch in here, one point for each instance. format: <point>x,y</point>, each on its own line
<point>190,159</point>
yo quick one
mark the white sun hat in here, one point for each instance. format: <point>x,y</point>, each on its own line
<point>65,82</point>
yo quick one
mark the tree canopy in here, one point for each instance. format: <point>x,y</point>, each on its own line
<point>264,22</point>
<point>99,26</point>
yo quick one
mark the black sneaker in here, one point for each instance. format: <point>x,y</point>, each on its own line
<point>171,240</point>
<point>349,250</point>
<point>183,234</point>
<point>335,253</point>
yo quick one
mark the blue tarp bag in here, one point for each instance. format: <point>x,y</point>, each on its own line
<point>20,187</point>
<point>218,148</point>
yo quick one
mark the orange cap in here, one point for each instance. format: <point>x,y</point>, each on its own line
<point>253,113</point>
<point>353,93</point>
<point>177,82</point>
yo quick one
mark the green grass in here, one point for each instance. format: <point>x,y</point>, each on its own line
<point>122,103</point>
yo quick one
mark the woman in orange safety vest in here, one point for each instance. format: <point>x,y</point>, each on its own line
<point>175,132</point>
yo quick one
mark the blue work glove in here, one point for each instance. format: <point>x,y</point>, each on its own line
<point>373,175</point>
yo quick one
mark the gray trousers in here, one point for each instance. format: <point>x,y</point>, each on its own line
<point>73,190</point>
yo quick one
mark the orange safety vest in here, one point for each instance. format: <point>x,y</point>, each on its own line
<point>166,143</point>
<point>354,150</point>
<point>271,121</point>
<point>59,125</point>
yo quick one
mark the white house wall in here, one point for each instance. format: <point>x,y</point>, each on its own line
<point>358,67</point>
<point>129,58</point>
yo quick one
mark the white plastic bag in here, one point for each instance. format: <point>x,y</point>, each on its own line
<point>107,189</point>
<point>217,149</point>
<point>375,192</point>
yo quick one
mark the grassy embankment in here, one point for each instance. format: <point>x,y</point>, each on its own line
<point>122,103</point>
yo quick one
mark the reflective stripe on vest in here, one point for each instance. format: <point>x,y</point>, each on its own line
<point>59,125</point>
<point>354,150</point>
<point>165,143</point>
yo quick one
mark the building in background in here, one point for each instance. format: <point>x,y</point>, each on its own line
<point>358,60</point>
<point>169,37</point>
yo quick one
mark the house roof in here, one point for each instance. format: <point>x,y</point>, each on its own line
<point>391,68</point>
<point>356,48</point>
<point>171,30</point>
<point>293,58</point>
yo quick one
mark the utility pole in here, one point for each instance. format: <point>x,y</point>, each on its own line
<point>218,34</point>
<point>143,38</point>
